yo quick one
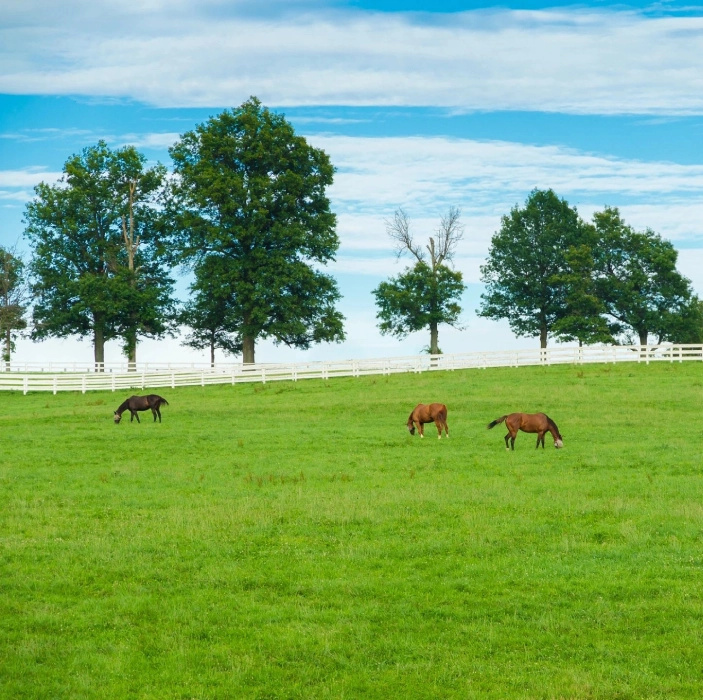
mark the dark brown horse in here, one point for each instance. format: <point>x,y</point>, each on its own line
<point>141,403</point>
<point>433,413</point>
<point>529,423</point>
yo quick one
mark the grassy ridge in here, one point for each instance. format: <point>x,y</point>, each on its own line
<point>293,541</point>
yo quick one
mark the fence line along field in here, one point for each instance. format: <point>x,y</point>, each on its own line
<point>293,540</point>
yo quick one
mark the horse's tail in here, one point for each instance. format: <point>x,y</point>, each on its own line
<point>493,424</point>
<point>442,414</point>
<point>163,401</point>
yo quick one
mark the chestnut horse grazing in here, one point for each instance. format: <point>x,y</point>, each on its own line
<point>141,403</point>
<point>529,423</point>
<point>433,413</point>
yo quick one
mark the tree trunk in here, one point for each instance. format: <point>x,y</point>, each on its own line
<point>434,339</point>
<point>212,352</point>
<point>131,352</point>
<point>543,334</point>
<point>99,347</point>
<point>248,350</point>
<point>8,349</point>
<point>643,337</point>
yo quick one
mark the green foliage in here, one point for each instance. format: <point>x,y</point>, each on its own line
<point>14,298</point>
<point>583,316</point>
<point>231,554</point>
<point>89,277</point>
<point>251,193</point>
<point>637,280</point>
<point>207,311</point>
<point>419,298</point>
<point>526,265</point>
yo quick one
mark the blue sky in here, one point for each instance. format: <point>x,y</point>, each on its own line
<point>421,105</point>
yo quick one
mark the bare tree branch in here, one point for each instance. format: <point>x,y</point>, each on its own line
<point>449,233</point>
<point>399,230</point>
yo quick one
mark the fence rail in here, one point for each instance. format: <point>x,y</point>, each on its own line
<point>68,376</point>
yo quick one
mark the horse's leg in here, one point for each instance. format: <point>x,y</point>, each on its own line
<point>542,440</point>
<point>421,429</point>
<point>153,413</point>
<point>136,415</point>
<point>158,410</point>
<point>512,440</point>
<point>438,425</point>
<point>446,429</point>
<point>507,445</point>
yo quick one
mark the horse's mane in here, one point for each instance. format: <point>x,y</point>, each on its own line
<point>123,407</point>
<point>552,424</point>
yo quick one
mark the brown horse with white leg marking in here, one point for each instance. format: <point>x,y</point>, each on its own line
<point>529,423</point>
<point>141,403</point>
<point>433,413</point>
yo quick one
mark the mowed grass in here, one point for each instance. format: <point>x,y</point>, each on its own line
<point>294,541</point>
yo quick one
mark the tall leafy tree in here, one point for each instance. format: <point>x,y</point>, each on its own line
<point>249,191</point>
<point>637,280</point>
<point>428,293</point>
<point>14,298</point>
<point>526,264</point>
<point>95,263</point>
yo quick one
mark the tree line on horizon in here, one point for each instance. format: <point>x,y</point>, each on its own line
<point>245,211</point>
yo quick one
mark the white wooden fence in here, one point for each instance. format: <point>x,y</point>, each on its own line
<point>71,376</point>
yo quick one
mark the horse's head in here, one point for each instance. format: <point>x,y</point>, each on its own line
<point>558,443</point>
<point>411,426</point>
<point>118,417</point>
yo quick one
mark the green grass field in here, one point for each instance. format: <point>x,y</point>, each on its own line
<point>294,541</point>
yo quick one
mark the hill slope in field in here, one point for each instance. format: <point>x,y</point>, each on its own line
<point>292,540</point>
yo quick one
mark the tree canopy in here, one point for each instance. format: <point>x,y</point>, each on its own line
<point>95,263</point>
<point>249,191</point>
<point>428,293</point>
<point>637,279</point>
<point>14,298</point>
<point>524,272</point>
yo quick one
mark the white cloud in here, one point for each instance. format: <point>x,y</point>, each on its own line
<point>215,53</point>
<point>486,179</point>
<point>27,177</point>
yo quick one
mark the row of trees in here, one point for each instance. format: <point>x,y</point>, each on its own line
<point>549,274</point>
<point>245,210</point>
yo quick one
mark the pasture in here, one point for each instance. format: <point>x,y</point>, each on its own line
<point>293,540</point>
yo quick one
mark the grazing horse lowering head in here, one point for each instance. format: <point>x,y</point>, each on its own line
<point>538,423</point>
<point>433,413</point>
<point>134,404</point>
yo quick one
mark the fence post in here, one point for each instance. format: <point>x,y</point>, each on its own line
<point>173,380</point>
<point>25,385</point>
<point>263,375</point>
<point>83,384</point>
<point>54,383</point>
<point>647,354</point>
<point>113,380</point>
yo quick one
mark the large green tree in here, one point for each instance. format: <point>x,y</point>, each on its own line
<point>639,284</point>
<point>95,264</point>
<point>524,272</point>
<point>427,294</point>
<point>250,191</point>
<point>14,298</point>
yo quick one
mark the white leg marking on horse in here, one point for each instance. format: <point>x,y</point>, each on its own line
<point>422,436</point>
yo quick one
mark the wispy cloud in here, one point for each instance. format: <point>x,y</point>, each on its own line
<point>215,53</point>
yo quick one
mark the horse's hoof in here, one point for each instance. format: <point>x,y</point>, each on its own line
<point>422,436</point>
<point>439,437</point>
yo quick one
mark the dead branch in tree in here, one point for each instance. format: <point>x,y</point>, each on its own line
<point>399,230</point>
